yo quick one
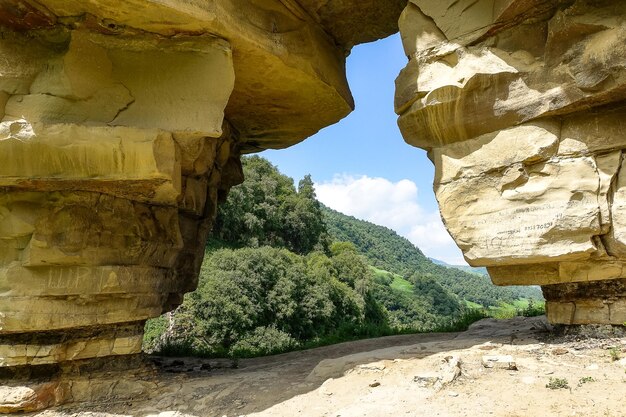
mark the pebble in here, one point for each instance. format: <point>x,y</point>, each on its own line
<point>500,362</point>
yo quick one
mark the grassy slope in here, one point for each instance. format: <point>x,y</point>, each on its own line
<point>398,282</point>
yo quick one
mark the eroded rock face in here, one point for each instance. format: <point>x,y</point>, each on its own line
<point>108,190</point>
<point>109,185</point>
<point>121,127</point>
<point>521,105</point>
<point>122,124</point>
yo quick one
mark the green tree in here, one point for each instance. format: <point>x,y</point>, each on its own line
<point>268,210</point>
<point>281,284</point>
<point>246,294</point>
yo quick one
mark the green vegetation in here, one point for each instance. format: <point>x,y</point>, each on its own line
<point>557,383</point>
<point>267,210</point>
<point>472,305</point>
<point>385,249</point>
<point>521,307</point>
<point>585,380</point>
<point>466,268</point>
<point>266,300</point>
<point>615,353</point>
<point>401,284</point>
<point>282,272</point>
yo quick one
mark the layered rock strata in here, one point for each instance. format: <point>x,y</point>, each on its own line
<point>113,155</point>
<point>522,107</point>
<point>121,126</point>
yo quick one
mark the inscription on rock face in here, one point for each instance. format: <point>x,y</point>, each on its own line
<point>69,279</point>
<point>516,232</point>
<point>539,214</point>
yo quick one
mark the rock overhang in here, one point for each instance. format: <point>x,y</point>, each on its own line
<point>121,128</point>
<point>288,56</point>
<point>123,123</point>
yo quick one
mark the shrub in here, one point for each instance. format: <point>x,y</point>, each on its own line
<point>153,331</point>
<point>615,354</point>
<point>557,383</point>
<point>263,341</point>
<point>585,380</point>
<point>533,309</point>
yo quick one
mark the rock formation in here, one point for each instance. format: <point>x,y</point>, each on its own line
<point>522,107</point>
<point>121,128</point>
<point>122,124</point>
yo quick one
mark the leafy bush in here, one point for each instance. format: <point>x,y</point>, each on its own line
<point>263,341</point>
<point>250,293</point>
<point>153,333</point>
<point>534,308</point>
<point>615,353</point>
<point>557,383</point>
<point>585,380</point>
<point>462,322</point>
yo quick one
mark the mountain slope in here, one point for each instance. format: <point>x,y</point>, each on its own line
<point>383,247</point>
<point>387,250</point>
<point>473,269</point>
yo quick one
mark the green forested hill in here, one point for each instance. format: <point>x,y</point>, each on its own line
<point>272,280</point>
<point>382,247</point>
<point>473,269</point>
<point>282,272</point>
<point>385,249</point>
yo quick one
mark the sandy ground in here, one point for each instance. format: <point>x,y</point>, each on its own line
<point>415,375</point>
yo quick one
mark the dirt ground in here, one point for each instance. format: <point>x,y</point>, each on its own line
<point>496,368</point>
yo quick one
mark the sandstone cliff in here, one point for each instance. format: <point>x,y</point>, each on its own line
<point>121,129</point>
<point>122,124</point>
<point>521,107</point>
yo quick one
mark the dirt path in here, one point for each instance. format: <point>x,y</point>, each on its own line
<point>414,375</point>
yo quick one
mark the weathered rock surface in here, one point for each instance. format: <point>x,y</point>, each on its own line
<point>288,55</point>
<point>122,123</point>
<point>121,127</point>
<point>521,105</point>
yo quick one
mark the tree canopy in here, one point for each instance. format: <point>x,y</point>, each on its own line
<point>267,210</point>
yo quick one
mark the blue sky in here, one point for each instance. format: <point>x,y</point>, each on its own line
<point>363,167</point>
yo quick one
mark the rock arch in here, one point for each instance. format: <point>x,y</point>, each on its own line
<point>123,123</point>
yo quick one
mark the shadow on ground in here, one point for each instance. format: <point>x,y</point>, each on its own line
<point>201,387</point>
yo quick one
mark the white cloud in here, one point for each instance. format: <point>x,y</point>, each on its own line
<point>392,204</point>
